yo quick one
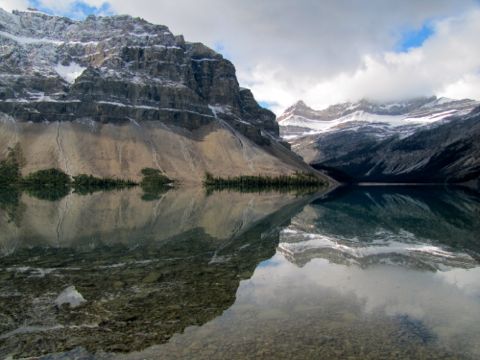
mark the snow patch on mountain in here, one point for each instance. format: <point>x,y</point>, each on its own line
<point>396,117</point>
<point>69,72</point>
<point>24,40</point>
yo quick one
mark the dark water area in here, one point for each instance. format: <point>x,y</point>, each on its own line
<point>360,273</point>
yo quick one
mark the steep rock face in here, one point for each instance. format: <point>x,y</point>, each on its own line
<point>110,95</point>
<point>430,140</point>
<point>449,152</point>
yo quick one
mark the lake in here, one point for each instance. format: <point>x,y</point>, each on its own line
<point>359,273</point>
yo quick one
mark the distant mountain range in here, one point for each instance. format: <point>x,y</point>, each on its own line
<point>110,96</point>
<point>419,140</point>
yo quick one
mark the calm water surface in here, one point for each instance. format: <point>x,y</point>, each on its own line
<point>362,273</point>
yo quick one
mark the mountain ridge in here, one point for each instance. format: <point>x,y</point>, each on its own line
<point>426,140</point>
<point>413,111</point>
<point>109,96</point>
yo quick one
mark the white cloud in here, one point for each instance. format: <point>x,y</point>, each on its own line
<point>448,64</point>
<point>327,51</point>
<point>10,5</point>
<point>467,87</point>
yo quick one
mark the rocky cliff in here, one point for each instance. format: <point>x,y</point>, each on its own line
<point>109,96</point>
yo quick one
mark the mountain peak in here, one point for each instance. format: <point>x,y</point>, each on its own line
<point>89,80</point>
<point>300,103</point>
<point>299,119</point>
<point>297,109</point>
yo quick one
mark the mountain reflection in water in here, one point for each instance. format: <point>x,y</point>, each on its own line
<point>425,228</point>
<point>363,273</point>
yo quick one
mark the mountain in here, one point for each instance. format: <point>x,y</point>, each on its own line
<point>109,96</point>
<point>419,140</point>
<point>380,119</point>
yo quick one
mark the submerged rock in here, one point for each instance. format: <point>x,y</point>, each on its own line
<point>70,296</point>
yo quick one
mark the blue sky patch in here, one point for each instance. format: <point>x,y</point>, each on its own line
<point>414,38</point>
<point>36,5</point>
<point>267,104</point>
<point>78,10</point>
<point>220,48</point>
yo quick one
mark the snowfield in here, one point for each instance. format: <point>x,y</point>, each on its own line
<point>377,117</point>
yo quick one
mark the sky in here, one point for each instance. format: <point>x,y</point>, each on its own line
<point>321,51</point>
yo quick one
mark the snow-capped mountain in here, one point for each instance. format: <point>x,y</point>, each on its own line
<point>380,118</point>
<point>109,96</point>
<point>420,140</point>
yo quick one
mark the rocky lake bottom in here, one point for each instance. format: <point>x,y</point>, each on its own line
<point>360,273</point>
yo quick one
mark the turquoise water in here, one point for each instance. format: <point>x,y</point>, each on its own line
<point>361,273</point>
